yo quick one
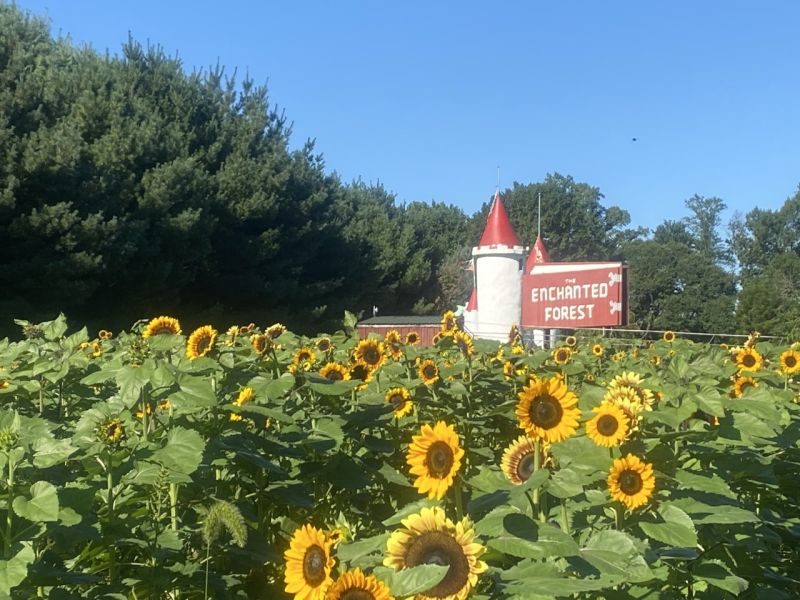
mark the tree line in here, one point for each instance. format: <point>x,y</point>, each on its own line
<point>131,188</point>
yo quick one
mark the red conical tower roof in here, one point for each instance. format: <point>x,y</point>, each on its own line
<point>537,256</point>
<point>499,231</point>
<point>473,301</point>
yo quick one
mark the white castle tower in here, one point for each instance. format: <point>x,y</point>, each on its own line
<point>499,262</point>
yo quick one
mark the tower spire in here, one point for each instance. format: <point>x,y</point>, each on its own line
<point>499,231</point>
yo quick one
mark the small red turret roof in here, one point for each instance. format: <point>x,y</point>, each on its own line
<point>473,301</point>
<point>499,231</point>
<point>537,256</point>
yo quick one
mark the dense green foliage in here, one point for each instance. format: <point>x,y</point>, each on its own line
<point>131,188</point>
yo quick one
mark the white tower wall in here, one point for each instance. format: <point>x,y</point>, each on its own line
<point>499,283</point>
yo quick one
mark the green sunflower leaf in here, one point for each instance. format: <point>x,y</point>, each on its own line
<point>674,529</point>
<point>716,573</point>
<point>183,452</point>
<point>43,505</point>
<point>409,582</point>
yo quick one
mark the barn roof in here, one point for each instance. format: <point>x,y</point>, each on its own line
<point>401,320</point>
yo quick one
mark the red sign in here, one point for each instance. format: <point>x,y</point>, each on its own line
<point>575,295</point>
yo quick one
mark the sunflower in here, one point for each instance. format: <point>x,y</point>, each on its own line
<point>244,396</point>
<point>335,535</point>
<point>436,339</point>
<point>669,336</point>
<point>463,341</point>
<point>434,457</point>
<point>740,384</point>
<point>513,334</point>
<point>748,359</point>
<point>412,338</point>
<point>571,341</point>
<point>508,369</point>
<point>393,337</point>
<point>362,373</point>
<point>97,350</point>
<point>354,585</point>
<point>449,323</point>
<point>790,361</point>
<point>634,381</point>
<point>562,355</point>
<point>308,564</point>
<point>609,427</point>
<point>655,360</point>
<point>371,352</point>
<point>628,400</point>
<point>400,399</point>
<point>201,342</point>
<point>428,372</point>
<point>517,349</point>
<point>304,359</point>
<point>275,330</point>
<point>245,329</point>
<point>429,537</point>
<point>324,344</point>
<point>111,431</point>
<point>260,343</point>
<point>597,350</point>
<point>618,356</point>
<point>335,372</point>
<point>631,481</point>
<point>519,458</point>
<point>162,326</point>
<point>104,334</point>
<point>547,410</point>
<point>590,377</point>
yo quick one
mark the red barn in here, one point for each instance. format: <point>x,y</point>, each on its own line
<point>426,327</point>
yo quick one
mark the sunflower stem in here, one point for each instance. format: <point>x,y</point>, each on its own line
<point>112,557</point>
<point>536,460</point>
<point>10,512</point>
<point>619,517</point>
<point>459,500</point>
<point>565,516</point>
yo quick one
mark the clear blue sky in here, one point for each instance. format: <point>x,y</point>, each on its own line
<point>430,97</point>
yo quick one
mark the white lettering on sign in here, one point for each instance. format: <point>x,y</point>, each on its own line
<point>576,312</point>
<point>569,292</point>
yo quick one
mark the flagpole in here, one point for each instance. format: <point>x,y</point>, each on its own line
<point>539,221</point>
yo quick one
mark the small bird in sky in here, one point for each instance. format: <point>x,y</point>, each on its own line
<point>633,140</point>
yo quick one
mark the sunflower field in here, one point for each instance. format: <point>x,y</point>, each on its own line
<point>255,463</point>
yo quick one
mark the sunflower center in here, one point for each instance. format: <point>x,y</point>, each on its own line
<point>429,371</point>
<point>746,384</point>
<point>748,360</point>
<point>411,339</point>
<point>790,361</point>
<point>163,330</point>
<point>357,594</point>
<point>438,548</point>
<point>371,356</point>
<point>397,401</point>
<point>561,356</point>
<point>314,566</point>
<point>630,482</point>
<point>203,344</point>
<point>323,346</point>
<point>439,459</point>
<point>525,467</point>
<point>449,324</point>
<point>607,425</point>
<point>359,373</point>
<point>334,376</point>
<point>546,411</point>
<point>111,430</point>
